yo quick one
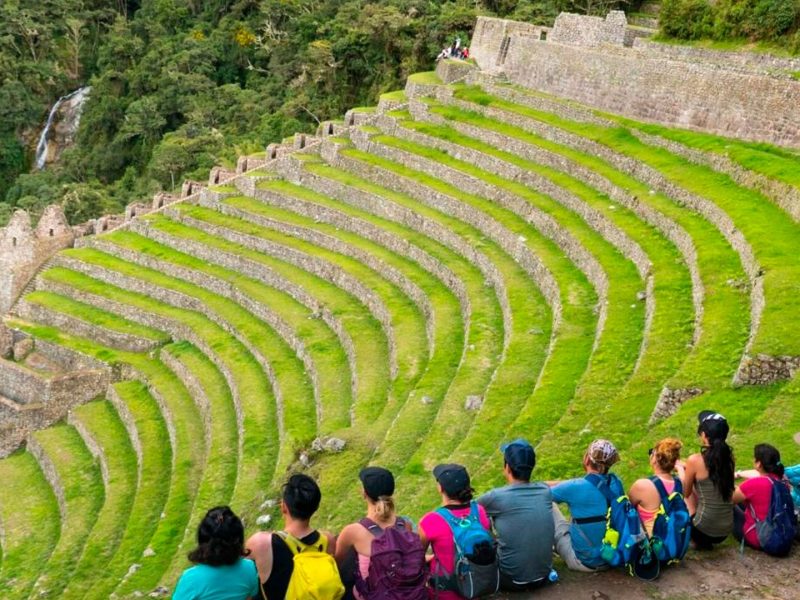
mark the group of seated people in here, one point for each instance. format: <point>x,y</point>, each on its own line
<point>523,516</point>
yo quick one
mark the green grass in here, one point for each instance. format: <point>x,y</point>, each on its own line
<point>406,325</point>
<point>724,325</point>
<point>261,440</point>
<point>672,321</point>
<point>31,524</point>
<point>770,232</point>
<point>153,487</point>
<point>503,408</point>
<point>82,482</point>
<point>104,426</point>
<point>485,327</point>
<point>219,485</point>
<point>426,78</point>
<point>95,316</point>
<point>332,386</point>
<point>396,96</point>
<point>768,160</point>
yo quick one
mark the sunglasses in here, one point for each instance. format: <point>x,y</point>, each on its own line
<point>650,451</point>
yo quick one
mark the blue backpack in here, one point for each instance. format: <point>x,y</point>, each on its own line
<point>777,531</point>
<point>477,569</point>
<point>625,544</point>
<point>673,526</point>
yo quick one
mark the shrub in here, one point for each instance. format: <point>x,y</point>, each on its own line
<point>686,19</point>
<point>770,18</point>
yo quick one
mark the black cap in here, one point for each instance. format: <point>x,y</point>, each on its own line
<point>377,482</point>
<point>520,456</point>
<point>453,478</point>
<point>713,424</point>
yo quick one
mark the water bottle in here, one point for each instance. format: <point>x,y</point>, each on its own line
<point>552,577</point>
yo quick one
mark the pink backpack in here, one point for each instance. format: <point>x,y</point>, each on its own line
<point>397,567</point>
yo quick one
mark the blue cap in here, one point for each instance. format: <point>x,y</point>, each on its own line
<point>519,455</point>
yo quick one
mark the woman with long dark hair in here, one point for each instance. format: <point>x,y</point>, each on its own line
<point>221,571</point>
<point>708,482</point>
<point>755,494</point>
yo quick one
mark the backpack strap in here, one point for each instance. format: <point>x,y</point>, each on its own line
<point>602,486</point>
<point>371,526</point>
<point>296,546</point>
<point>661,488</point>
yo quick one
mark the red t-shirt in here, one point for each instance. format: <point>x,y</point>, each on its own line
<point>440,536</point>
<point>758,494</point>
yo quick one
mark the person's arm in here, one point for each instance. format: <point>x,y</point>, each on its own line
<point>260,547</point>
<point>637,491</point>
<point>747,474</point>
<point>342,545</point>
<point>738,495</point>
<point>688,473</point>
<point>423,537</point>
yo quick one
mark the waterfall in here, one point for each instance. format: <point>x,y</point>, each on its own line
<point>41,148</point>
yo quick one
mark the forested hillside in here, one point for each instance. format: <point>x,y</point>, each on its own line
<point>181,85</point>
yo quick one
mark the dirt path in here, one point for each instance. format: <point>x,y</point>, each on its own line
<point>719,574</point>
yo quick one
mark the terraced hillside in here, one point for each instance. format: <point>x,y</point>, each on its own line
<point>463,264</point>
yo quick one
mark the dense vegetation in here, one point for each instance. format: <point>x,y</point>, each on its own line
<point>181,85</point>
<point>774,21</point>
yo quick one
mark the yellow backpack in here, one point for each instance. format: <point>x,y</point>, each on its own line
<point>315,575</point>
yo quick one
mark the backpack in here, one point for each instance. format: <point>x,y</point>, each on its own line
<point>315,575</point>
<point>673,526</point>
<point>777,531</point>
<point>624,543</point>
<point>477,569</point>
<point>397,567</point>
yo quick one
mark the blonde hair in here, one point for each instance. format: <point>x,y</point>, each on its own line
<point>384,508</point>
<point>667,452</point>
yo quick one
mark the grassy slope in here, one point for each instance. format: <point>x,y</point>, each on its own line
<point>31,524</point>
<point>80,476</point>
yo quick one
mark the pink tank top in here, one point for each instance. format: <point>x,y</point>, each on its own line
<point>648,517</point>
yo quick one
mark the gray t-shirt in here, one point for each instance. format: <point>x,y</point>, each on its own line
<point>523,521</point>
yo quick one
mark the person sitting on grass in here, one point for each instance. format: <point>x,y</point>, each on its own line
<point>520,513</point>
<point>382,531</point>
<point>579,540</point>
<point>755,494</point>
<point>708,482</point>
<point>456,492</point>
<point>643,493</point>
<point>274,557</point>
<point>221,572</point>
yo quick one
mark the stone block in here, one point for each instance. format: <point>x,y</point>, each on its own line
<point>473,402</point>
<point>22,349</point>
<point>6,342</point>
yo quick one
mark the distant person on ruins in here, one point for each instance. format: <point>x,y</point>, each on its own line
<point>221,572</point>
<point>754,500</point>
<point>520,513</point>
<point>299,546</point>
<point>644,493</point>
<point>389,557</point>
<point>708,482</point>
<point>579,540</point>
<point>436,529</point>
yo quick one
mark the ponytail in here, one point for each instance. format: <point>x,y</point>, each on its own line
<point>770,459</point>
<point>384,508</point>
<point>718,458</point>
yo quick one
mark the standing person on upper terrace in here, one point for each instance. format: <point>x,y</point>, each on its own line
<point>523,522</point>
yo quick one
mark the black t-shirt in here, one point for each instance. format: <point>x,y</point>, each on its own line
<point>274,588</point>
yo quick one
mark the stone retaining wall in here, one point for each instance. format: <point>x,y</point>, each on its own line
<point>687,89</point>
<point>293,170</point>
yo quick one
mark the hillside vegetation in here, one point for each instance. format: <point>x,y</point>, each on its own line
<point>182,85</point>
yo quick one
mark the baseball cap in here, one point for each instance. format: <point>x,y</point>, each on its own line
<point>603,452</point>
<point>713,424</point>
<point>453,478</point>
<point>377,482</point>
<point>519,455</point>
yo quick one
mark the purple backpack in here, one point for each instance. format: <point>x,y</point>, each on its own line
<point>397,567</point>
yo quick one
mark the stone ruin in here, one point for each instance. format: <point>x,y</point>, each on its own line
<point>604,63</point>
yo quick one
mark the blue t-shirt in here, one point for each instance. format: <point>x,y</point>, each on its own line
<point>584,500</point>
<point>229,582</point>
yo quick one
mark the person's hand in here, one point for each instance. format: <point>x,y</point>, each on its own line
<point>680,466</point>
